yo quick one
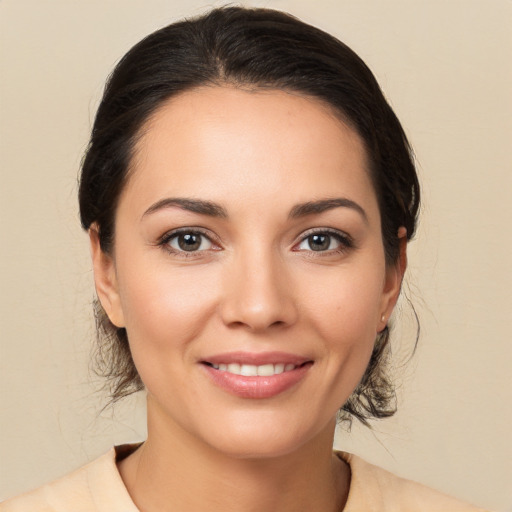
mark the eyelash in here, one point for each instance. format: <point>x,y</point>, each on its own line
<point>346,242</point>
<point>165,241</point>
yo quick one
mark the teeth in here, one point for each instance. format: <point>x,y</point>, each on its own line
<point>233,368</point>
<point>251,370</point>
<point>266,370</point>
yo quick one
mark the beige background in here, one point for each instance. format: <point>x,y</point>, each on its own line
<point>445,65</point>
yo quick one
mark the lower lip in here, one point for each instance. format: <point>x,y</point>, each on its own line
<point>257,387</point>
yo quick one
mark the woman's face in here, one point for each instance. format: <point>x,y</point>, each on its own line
<point>248,242</point>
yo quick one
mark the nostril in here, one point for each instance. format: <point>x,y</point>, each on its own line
<point>237,324</point>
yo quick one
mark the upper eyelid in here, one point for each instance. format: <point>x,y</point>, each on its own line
<point>329,231</point>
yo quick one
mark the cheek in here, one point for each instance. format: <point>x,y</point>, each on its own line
<point>164,312</point>
<point>164,308</point>
<point>346,304</point>
<point>344,313</point>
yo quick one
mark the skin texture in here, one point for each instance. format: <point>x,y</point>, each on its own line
<point>255,285</point>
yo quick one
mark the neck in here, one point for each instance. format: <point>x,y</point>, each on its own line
<point>174,472</point>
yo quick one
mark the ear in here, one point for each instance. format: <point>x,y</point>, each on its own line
<point>105,279</point>
<point>393,281</point>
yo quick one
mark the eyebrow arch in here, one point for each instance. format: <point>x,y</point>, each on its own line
<point>212,209</point>
<point>322,205</point>
<point>191,205</point>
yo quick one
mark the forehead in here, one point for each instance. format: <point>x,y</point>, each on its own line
<point>223,142</point>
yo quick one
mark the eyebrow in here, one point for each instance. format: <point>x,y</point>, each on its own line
<point>323,205</point>
<point>212,209</point>
<point>192,205</point>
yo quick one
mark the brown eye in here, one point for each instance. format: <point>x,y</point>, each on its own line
<point>319,242</point>
<point>189,241</point>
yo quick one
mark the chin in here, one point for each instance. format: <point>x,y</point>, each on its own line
<point>264,438</point>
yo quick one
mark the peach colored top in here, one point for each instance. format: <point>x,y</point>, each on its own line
<point>98,487</point>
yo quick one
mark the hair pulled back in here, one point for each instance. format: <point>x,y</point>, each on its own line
<point>255,48</point>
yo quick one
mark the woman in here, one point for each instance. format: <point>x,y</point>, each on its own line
<point>249,194</point>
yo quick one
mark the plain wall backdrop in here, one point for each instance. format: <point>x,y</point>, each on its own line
<point>445,67</point>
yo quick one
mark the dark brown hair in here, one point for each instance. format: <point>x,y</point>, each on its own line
<point>259,48</point>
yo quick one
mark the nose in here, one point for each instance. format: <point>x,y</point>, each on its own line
<point>258,294</point>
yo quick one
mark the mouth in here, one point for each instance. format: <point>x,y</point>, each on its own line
<point>248,375</point>
<point>252,370</point>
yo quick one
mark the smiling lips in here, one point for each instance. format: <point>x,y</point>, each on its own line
<point>251,370</point>
<point>256,375</point>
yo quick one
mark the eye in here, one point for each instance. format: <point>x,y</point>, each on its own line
<point>322,241</point>
<point>187,241</point>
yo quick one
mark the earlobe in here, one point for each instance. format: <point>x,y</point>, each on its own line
<point>393,283</point>
<point>105,279</point>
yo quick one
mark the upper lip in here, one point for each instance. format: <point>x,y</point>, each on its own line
<point>257,359</point>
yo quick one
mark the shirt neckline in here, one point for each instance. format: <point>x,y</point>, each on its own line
<point>116,491</point>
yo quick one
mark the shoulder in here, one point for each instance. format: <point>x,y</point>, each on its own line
<point>96,487</point>
<point>374,489</point>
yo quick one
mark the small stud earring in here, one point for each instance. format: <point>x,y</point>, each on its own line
<point>383,318</point>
